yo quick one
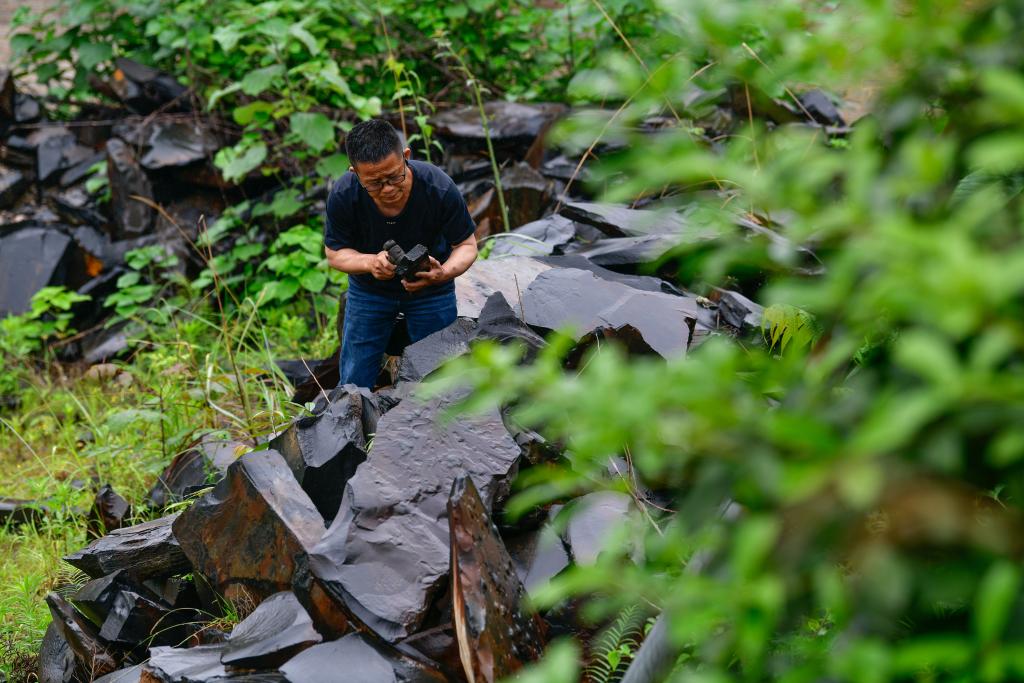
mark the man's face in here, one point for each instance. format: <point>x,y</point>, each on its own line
<point>387,171</point>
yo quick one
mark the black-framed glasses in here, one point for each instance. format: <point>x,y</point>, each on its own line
<point>378,185</point>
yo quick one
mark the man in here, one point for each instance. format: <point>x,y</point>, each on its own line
<point>386,196</point>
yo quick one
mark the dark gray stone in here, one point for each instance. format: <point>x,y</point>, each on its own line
<point>577,299</point>
<point>628,251</point>
<point>12,185</point>
<point>56,660</point>
<point>91,656</point>
<point>619,221</point>
<point>361,659</point>
<point>821,108</point>
<point>386,555</point>
<point>132,217</point>
<point>15,511</point>
<point>539,238</point>
<point>177,143</point>
<point>199,664</point>
<point>132,674</point>
<point>57,153</point>
<point>201,465</point>
<point>510,275</point>
<point>275,631</point>
<point>144,550</point>
<point>324,450</point>
<point>592,519</point>
<point>31,259</point>
<point>508,122</point>
<point>428,354</point>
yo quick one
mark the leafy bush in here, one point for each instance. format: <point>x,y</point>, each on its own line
<point>872,477</point>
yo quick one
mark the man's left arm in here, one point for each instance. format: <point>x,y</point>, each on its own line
<point>458,262</point>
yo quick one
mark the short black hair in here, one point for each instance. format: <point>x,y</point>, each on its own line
<point>370,141</point>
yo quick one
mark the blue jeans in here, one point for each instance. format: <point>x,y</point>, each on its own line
<point>369,319</point>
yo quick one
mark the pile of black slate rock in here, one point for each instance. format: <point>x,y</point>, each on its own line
<point>366,541</point>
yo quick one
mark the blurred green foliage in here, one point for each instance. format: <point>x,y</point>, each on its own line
<point>845,501</point>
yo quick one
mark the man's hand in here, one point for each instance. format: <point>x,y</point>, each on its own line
<point>427,278</point>
<point>381,268</point>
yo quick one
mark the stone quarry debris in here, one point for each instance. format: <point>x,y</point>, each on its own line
<point>13,184</point>
<point>245,534</point>
<point>538,555</point>
<point>59,152</point>
<point>497,321</point>
<point>386,554</point>
<point>496,635</point>
<point>30,259</point>
<point>91,656</point>
<point>538,238</point>
<point>323,451</point>
<point>361,659</point>
<point>108,511</point>
<point>197,664</point>
<point>566,297</point>
<point>527,194</point>
<point>627,337</point>
<point>132,217</point>
<point>56,660</point>
<point>136,619</point>
<point>275,631</point>
<point>80,170</point>
<point>629,251</point>
<point>145,89</point>
<point>18,511</point>
<point>177,143</point>
<point>145,550</point>
<point>96,598</point>
<point>619,221</point>
<point>592,519</point>
<point>738,311</point>
<point>132,674</point>
<point>512,126</point>
<point>821,108</point>
<point>645,283</point>
<point>193,470</point>
<point>510,276</point>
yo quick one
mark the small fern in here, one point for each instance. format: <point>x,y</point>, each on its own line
<point>783,325</point>
<point>613,649</point>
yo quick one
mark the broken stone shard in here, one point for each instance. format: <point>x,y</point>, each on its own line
<point>144,550</point>
<point>568,297</point>
<point>96,598</point>
<point>275,631</point>
<point>132,217</point>
<point>12,185</point>
<point>16,511</point>
<point>145,89</point>
<point>323,451</point>
<point>386,554</point>
<point>496,635</point>
<point>135,618</point>
<point>203,463</point>
<point>245,534</point>
<point>197,664</point>
<point>177,143</point>
<point>509,275</point>
<point>619,221</point>
<point>431,352</point>
<point>510,124</point>
<point>109,510</point>
<point>56,660</point>
<point>30,259</point>
<point>59,152</point>
<point>539,238</point>
<point>629,251</point>
<point>593,518</point>
<point>132,674</point>
<point>361,659</point>
<point>738,311</point>
<point>820,108</point>
<point>538,555</point>
<point>90,653</point>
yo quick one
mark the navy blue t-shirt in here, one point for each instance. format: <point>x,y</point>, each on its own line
<point>435,216</point>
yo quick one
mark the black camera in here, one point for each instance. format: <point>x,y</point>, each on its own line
<point>407,263</point>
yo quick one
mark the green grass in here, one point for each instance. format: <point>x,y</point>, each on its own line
<point>73,433</point>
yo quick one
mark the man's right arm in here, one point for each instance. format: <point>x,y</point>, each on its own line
<point>355,263</point>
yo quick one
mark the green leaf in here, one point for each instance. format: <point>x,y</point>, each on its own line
<point>306,38</point>
<point>258,80</point>
<point>997,597</point>
<point>313,128</point>
<point>281,290</point>
<point>228,36</point>
<point>91,54</point>
<point>313,280</point>
<point>254,110</point>
<point>998,153</point>
<point>235,165</point>
<point>215,96</point>
<point>456,11</point>
<point>332,166</point>
<point>286,203</point>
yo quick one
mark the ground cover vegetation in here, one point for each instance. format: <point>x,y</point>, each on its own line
<point>840,502</point>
